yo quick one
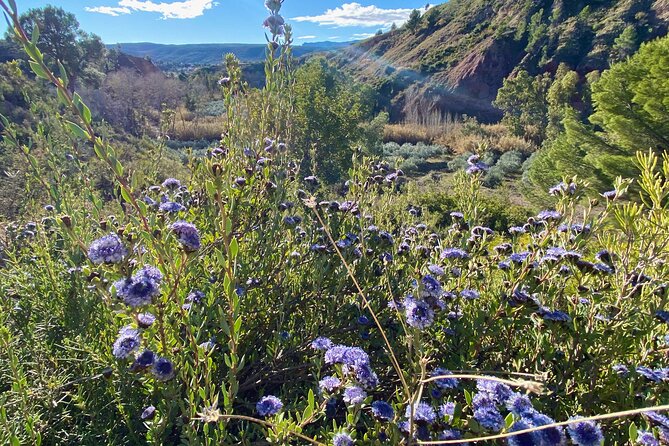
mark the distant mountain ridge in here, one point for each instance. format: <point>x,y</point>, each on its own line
<point>213,53</point>
<point>456,59</point>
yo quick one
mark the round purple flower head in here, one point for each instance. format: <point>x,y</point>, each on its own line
<point>454,253</point>
<point>321,343</point>
<point>126,343</point>
<point>422,413</point>
<point>145,359</point>
<point>268,405</point>
<point>549,215</point>
<point>163,369</point>
<point>148,413</point>
<point>585,433</point>
<point>519,404</point>
<point>444,383</point>
<point>145,320</point>
<point>342,354</point>
<point>431,286</point>
<point>646,438</point>
<point>436,270</point>
<point>187,234</point>
<point>141,288</point>
<point>329,383</point>
<point>469,294</point>
<point>529,439</point>
<point>354,395</point>
<point>447,410</point>
<point>550,436</point>
<point>171,207</point>
<point>172,183</point>
<point>107,249</point>
<point>418,313</point>
<point>383,411</point>
<point>342,439</point>
<point>489,418</point>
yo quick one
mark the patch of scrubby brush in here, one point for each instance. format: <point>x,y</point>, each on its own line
<point>245,302</point>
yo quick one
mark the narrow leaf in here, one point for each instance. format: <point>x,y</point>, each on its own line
<point>38,70</point>
<point>76,130</point>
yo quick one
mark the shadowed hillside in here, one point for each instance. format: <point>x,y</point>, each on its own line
<point>455,58</point>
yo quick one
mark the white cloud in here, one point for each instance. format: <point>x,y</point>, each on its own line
<point>363,35</point>
<point>354,14</point>
<point>306,37</point>
<point>109,10</point>
<point>186,9</point>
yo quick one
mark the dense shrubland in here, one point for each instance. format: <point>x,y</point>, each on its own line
<point>238,298</point>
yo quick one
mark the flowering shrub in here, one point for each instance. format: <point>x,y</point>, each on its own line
<point>247,303</point>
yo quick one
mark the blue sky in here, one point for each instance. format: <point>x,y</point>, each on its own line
<point>228,21</point>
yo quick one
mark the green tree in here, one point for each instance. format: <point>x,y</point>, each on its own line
<point>522,99</point>
<point>329,116</point>
<point>61,39</point>
<point>631,113</point>
<point>560,97</point>
<point>625,44</point>
<point>415,18</point>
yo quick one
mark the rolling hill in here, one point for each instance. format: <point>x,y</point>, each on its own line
<point>213,53</point>
<point>456,59</point>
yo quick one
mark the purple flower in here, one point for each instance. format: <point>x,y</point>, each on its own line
<point>172,183</point>
<point>453,253</point>
<point>171,207</point>
<point>422,413</point>
<point>187,234</point>
<point>498,391</point>
<point>268,405</point>
<point>469,294</point>
<point>431,287</point>
<point>329,383</point>
<point>621,370</point>
<point>528,439</point>
<point>383,411</point>
<point>354,395</point>
<point>148,413</point>
<point>145,320</point>
<point>549,215</point>
<point>647,438</point>
<point>447,410</point>
<point>519,257</point>
<point>519,404</point>
<point>563,188</point>
<point>444,383</point>
<point>127,342</point>
<point>366,376</point>
<point>163,369</point>
<point>585,433</point>
<point>550,436</point>
<point>418,313</point>
<point>516,230</point>
<point>107,249</point>
<point>321,343</point>
<point>145,359</point>
<point>436,270</point>
<point>610,195</point>
<point>275,23</point>
<point>342,439</point>
<point>342,354</point>
<point>489,418</point>
<point>141,288</point>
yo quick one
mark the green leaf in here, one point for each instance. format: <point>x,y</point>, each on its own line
<point>234,248</point>
<point>63,73</point>
<point>76,130</point>
<point>508,421</point>
<point>126,195</point>
<point>35,37</point>
<point>86,112</point>
<point>634,433</point>
<point>38,70</point>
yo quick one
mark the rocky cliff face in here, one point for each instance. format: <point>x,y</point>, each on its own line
<point>457,59</point>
